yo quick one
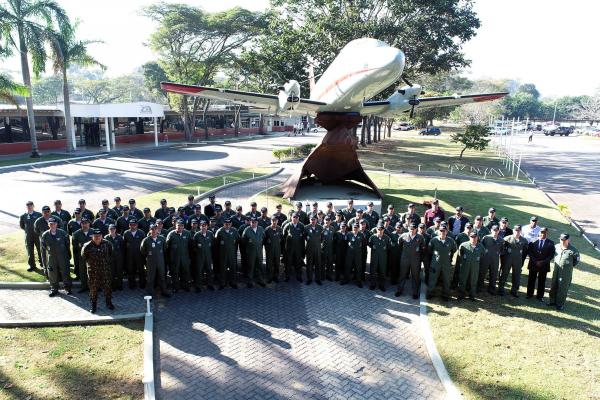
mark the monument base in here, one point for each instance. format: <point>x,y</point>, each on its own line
<point>338,194</point>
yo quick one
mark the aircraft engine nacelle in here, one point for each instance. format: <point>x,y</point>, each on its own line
<point>289,95</point>
<point>403,100</point>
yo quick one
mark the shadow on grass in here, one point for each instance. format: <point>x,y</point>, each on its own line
<point>36,276</point>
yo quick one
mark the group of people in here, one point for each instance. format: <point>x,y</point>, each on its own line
<point>193,247</point>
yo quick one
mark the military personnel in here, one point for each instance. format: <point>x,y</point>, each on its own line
<point>190,207</point>
<point>460,239</point>
<point>281,217</point>
<point>194,225</point>
<point>363,229</point>
<point>80,238</point>
<point>293,235</point>
<point>330,212</point>
<point>118,207</point>
<point>314,211</point>
<point>169,221</point>
<point>135,260</point>
<point>85,213</point>
<point>32,239</point>
<point>163,211</point>
<point>320,217</point>
<point>144,223</point>
<point>242,246</point>
<point>56,253</point>
<point>211,208</point>
<point>64,216</point>
<point>97,254</point>
<point>313,234</point>
<point>177,248</point>
<point>264,221</point>
<point>152,249</point>
<point>426,255</point>
<point>227,239</point>
<point>388,228</point>
<point>118,256</point>
<point>273,240</point>
<point>504,230</point>
<point>354,243</point>
<point>479,228</point>
<point>470,254</point>
<point>160,229</point>
<point>339,218</point>
<point>371,215</point>
<point>203,243</point>
<point>349,212</point>
<point>302,215</point>
<point>102,222</point>
<point>491,219</point>
<point>515,251</point>
<point>123,221</point>
<point>254,237</point>
<point>253,213</point>
<point>394,253</point>
<point>75,223</point>
<point>391,215</point>
<point>493,246</point>
<point>41,224</point>
<point>566,257</point>
<point>134,211</point>
<point>228,212</point>
<point>239,218</point>
<point>212,225</point>
<point>218,217</point>
<point>358,217</point>
<point>181,214</point>
<point>327,249</point>
<point>340,247</point>
<point>432,231</point>
<point>442,249</point>
<point>110,213</point>
<point>411,246</point>
<point>411,214</point>
<point>380,245</point>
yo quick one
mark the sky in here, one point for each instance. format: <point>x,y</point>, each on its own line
<point>551,43</point>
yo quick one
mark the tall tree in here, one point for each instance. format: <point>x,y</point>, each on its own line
<point>29,25</point>
<point>9,90</point>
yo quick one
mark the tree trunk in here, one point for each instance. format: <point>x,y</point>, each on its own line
<point>204,110</point>
<point>185,117</point>
<point>461,153</point>
<point>363,131</point>
<point>369,123</point>
<point>67,107</point>
<point>29,98</point>
<point>236,120</point>
<point>8,130</point>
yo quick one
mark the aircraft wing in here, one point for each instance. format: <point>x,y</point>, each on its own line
<point>262,100</point>
<point>444,101</point>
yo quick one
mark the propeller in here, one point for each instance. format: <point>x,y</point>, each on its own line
<point>413,102</point>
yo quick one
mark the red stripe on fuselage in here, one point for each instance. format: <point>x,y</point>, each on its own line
<point>488,98</point>
<point>337,82</point>
<point>182,89</point>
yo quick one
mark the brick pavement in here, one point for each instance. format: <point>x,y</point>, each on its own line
<point>292,341</point>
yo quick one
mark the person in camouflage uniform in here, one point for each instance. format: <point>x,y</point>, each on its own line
<point>97,255</point>
<point>56,253</point>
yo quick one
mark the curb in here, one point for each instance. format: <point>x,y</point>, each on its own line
<point>148,379</point>
<point>452,391</point>
<point>96,320</point>
<point>228,185</point>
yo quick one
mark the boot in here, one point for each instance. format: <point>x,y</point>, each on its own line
<point>372,286</point>
<point>93,308</point>
<point>53,293</point>
<point>110,305</point>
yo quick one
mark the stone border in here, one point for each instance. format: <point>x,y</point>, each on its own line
<point>93,320</point>
<point>228,185</point>
<point>452,391</point>
<point>148,378</point>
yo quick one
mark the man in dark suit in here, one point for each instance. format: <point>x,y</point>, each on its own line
<point>541,253</point>
<point>457,222</point>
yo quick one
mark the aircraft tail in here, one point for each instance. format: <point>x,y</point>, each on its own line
<point>311,77</point>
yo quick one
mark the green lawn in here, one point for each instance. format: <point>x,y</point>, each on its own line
<point>79,362</point>
<point>28,160</point>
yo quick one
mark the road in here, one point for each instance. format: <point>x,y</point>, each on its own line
<point>567,169</point>
<point>130,175</point>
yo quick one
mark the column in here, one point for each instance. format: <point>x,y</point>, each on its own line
<point>107,134</point>
<point>155,132</point>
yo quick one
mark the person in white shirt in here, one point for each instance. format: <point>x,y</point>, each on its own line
<point>531,231</point>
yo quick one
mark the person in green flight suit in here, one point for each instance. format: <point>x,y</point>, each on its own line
<point>56,253</point>
<point>441,248</point>
<point>64,215</point>
<point>254,237</point>
<point>273,239</point>
<point>470,254</point>
<point>302,215</point>
<point>97,255</point>
<point>379,244</point>
<point>110,213</point>
<point>491,219</point>
<point>32,239</point>
<point>349,212</point>
<point>393,216</point>
<point>494,246</point>
<point>203,243</point>
<point>264,221</point>
<point>460,239</point>
<point>327,249</point>
<point>412,246</point>
<point>135,261</point>
<point>313,234</point>
<point>178,245</point>
<point>515,251</point>
<point>371,215</point>
<point>152,249</point>
<point>426,256</point>
<point>80,238</point>
<point>353,267</point>
<point>41,224</point>
<point>479,228</point>
<point>226,240</point>
<point>293,235</point>
<point>566,257</point>
<point>118,256</point>
<point>394,254</point>
<point>340,247</point>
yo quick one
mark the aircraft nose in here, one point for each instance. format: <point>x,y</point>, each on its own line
<point>393,59</point>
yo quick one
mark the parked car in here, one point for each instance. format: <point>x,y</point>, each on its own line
<point>432,130</point>
<point>558,130</point>
<point>500,131</point>
<point>404,126</point>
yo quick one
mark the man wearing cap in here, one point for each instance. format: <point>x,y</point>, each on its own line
<point>353,267</point>
<point>426,255</point>
<point>242,246</point>
<point>110,213</point>
<point>41,224</point>
<point>340,247</point>
<point>197,215</point>
<point>56,253</point>
<point>566,257</point>
<point>491,219</point>
<point>371,215</point>
<point>314,211</point>
<point>210,208</point>
<point>181,214</point>
<point>393,217</point>
<point>494,246</point>
<point>339,218</point>
<point>85,213</point>
<point>434,211</point>
<point>479,228</point>
<point>302,215</point>
<point>134,211</point>
<point>330,212</point>
<point>97,254</point>
<point>160,229</point>
<point>463,237</point>
<point>253,237</point>
<point>358,217</point>
<point>218,217</point>
<point>152,249</point>
<point>80,238</point>
<point>32,239</point>
<point>253,213</point>
<point>313,234</point>
<point>281,217</point>
<point>118,207</point>
<point>541,252</point>
<point>177,248</point>
<point>228,212</point>
<point>412,246</point>
<point>226,240</point>
<point>394,253</point>
<point>442,249</point>
<point>349,212</point>
<point>75,223</point>
<point>123,221</point>
<point>327,249</point>
<point>239,218</point>
<point>60,213</point>
<point>135,261</point>
<point>190,207</point>
<point>144,223</point>
<point>102,222</point>
<point>203,244</point>
<point>169,222</point>
<point>410,213</point>
<point>272,242</point>
<point>380,245</point>
<point>515,251</point>
<point>457,222</point>
<point>163,211</point>
<point>504,231</point>
<point>293,235</point>
<point>470,254</point>
<point>363,228</point>
<point>531,231</point>
<point>432,231</point>
<point>118,256</point>
<point>264,221</point>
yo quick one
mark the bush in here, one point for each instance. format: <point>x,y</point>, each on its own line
<point>290,152</point>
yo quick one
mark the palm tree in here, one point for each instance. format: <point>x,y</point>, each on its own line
<point>27,24</point>
<point>67,51</point>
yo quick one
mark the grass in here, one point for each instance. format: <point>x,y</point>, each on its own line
<point>13,258</point>
<point>94,362</point>
<point>28,160</point>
